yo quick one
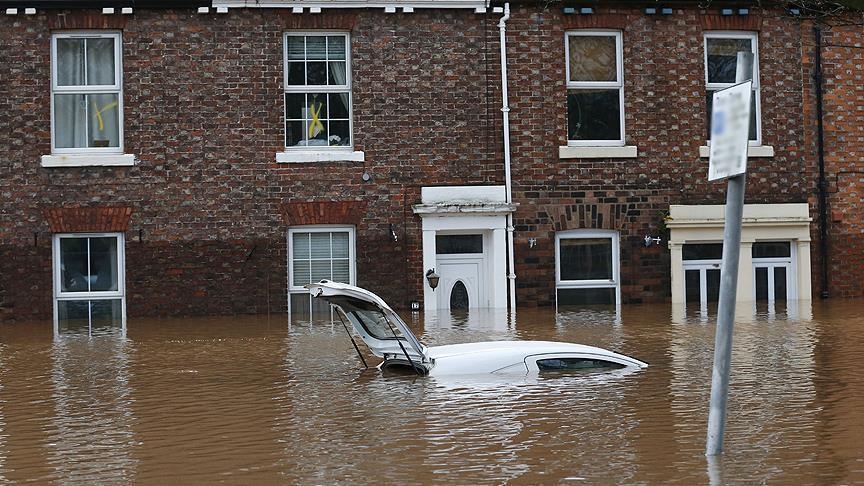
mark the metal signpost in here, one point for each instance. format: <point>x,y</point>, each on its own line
<point>730,129</point>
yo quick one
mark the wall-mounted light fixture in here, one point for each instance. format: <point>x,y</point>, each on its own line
<point>393,235</point>
<point>432,278</point>
<point>651,241</point>
<point>532,242</point>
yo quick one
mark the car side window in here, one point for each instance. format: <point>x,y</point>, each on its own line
<point>576,364</point>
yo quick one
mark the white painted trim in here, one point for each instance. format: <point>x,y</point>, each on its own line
<point>761,222</point>
<point>320,156</point>
<point>753,151</point>
<point>82,160</point>
<point>595,152</point>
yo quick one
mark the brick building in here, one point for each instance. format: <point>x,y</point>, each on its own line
<point>177,158</point>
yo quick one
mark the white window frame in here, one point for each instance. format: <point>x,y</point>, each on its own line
<point>115,88</point>
<point>754,40</point>
<point>789,263</point>
<point>608,85</point>
<point>60,295</point>
<point>297,288</point>
<point>613,283</point>
<point>315,153</point>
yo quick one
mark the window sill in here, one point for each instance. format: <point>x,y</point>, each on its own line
<point>293,157</point>
<point>752,151</point>
<point>82,160</point>
<point>580,152</point>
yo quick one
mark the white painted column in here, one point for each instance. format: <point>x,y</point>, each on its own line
<point>430,298</point>
<point>677,263</point>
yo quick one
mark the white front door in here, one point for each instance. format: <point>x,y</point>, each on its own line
<point>460,286</point>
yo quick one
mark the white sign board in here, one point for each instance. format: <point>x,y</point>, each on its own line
<point>730,131</point>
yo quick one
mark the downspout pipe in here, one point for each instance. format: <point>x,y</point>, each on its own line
<point>505,110</point>
<point>820,151</point>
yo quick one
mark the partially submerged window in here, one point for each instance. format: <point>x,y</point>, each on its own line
<point>577,364</point>
<point>89,289</point>
<point>587,267</point>
<point>317,253</point>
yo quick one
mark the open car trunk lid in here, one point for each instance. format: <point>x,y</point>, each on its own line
<point>383,331</point>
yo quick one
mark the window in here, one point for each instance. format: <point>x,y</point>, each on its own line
<point>89,288</point>
<point>773,271</point>
<point>587,267</point>
<point>702,263</point>
<point>317,91</point>
<point>317,253</point>
<point>721,58</point>
<point>86,93</point>
<point>595,88</point>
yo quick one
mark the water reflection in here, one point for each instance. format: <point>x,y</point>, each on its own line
<point>93,411</point>
<point>244,400</point>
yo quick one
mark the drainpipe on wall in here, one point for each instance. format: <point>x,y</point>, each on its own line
<point>820,148</point>
<point>505,109</point>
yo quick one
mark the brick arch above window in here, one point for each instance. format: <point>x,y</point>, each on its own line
<point>323,212</point>
<point>607,216</point>
<point>89,219</point>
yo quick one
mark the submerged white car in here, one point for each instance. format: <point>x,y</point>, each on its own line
<point>388,337</point>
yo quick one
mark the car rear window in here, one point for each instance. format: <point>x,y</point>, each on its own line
<point>568,364</point>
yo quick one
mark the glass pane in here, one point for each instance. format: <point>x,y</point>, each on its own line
<point>761,283</point>
<point>452,244</point>
<point>723,57</point>
<point>316,47</point>
<point>712,277</point>
<point>779,283</point>
<point>340,133</point>
<point>104,120</point>
<point>341,271</point>
<point>295,133</point>
<point>340,245</point>
<point>294,103</point>
<point>74,269</point>
<point>336,74</point>
<point>772,249</point>
<point>103,264</point>
<point>319,245</point>
<point>593,58</point>
<point>336,47</point>
<point>589,296</point>
<point>70,121</point>
<point>73,316</point>
<point>692,286</point>
<point>106,316</point>
<point>300,245</point>
<point>338,105</point>
<point>100,61</point>
<point>586,259</point>
<point>316,73</point>
<point>459,296</point>
<point>70,62</point>
<point>702,251</point>
<point>295,47</point>
<point>316,114</point>
<point>302,272</point>
<point>562,364</point>
<point>321,270</point>
<point>594,114</point>
<point>710,105</point>
<point>295,73</point>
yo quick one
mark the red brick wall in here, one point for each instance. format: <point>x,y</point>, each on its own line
<point>665,115</point>
<point>203,115</point>
<point>843,98</point>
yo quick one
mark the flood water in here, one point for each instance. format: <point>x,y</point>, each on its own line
<point>264,400</point>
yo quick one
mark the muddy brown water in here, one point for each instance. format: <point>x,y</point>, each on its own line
<point>267,400</point>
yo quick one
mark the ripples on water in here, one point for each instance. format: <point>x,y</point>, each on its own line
<point>264,400</point>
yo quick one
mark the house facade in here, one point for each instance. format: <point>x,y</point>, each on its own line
<point>213,157</point>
